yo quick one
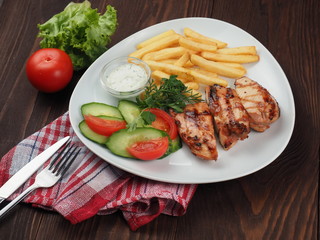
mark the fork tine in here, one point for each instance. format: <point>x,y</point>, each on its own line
<point>59,154</point>
<point>66,160</point>
<point>64,157</point>
<point>68,165</point>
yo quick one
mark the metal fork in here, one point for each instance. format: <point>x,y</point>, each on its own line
<point>48,176</point>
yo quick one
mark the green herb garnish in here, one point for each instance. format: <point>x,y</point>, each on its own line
<point>172,93</point>
<point>146,116</point>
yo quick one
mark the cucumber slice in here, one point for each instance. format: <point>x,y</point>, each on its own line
<point>174,146</point>
<point>99,109</point>
<point>130,111</point>
<point>122,139</point>
<point>110,118</point>
<point>88,133</point>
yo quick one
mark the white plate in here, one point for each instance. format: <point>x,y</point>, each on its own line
<point>246,157</point>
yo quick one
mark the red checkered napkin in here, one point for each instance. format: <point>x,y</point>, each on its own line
<point>92,186</point>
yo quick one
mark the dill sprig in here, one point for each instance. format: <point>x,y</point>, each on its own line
<point>171,93</point>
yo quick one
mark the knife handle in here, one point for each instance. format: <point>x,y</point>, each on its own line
<point>18,199</point>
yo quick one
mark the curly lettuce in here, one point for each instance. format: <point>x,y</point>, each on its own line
<point>80,31</point>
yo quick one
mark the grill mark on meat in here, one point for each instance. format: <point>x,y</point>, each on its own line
<point>261,106</point>
<point>266,99</point>
<point>230,118</point>
<point>195,126</point>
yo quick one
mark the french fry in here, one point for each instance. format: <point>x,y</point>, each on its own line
<point>203,41</point>
<point>158,75</point>
<point>167,53</point>
<point>194,92</point>
<point>169,61</point>
<point>185,73</point>
<point>155,46</point>
<point>192,51</point>
<point>201,38</point>
<point>230,58</point>
<point>155,38</point>
<point>216,67</point>
<point>196,46</point>
<point>170,69</point>
<point>148,56</point>
<point>247,50</point>
<point>235,65</point>
<point>195,59</point>
<point>183,59</point>
<point>204,72</point>
<point>188,64</point>
<point>172,61</point>
<point>207,80</point>
<point>192,85</point>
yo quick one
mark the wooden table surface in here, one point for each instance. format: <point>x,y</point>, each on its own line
<point>280,201</point>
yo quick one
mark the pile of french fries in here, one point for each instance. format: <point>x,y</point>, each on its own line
<point>196,59</point>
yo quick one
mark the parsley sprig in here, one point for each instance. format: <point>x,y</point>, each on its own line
<point>145,116</point>
<point>171,93</point>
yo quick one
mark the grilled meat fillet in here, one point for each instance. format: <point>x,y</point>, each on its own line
<point>230,118</point>
<point>262,108</point>
<point>196,129</point>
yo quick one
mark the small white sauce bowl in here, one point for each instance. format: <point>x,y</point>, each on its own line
<point>115,65</point>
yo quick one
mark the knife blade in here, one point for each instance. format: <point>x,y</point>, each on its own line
<point>29,169</point>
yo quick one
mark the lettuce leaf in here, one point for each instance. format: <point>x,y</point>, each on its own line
<point>80,31</point>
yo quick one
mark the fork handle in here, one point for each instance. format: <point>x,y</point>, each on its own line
<point>18,199</point>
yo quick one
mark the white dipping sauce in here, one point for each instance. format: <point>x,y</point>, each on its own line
<point>127,77</point>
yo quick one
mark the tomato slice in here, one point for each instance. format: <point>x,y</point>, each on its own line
<point>161,124</point>
<point>164,122</point>
<point>149,149</point>
<point>103,126</point>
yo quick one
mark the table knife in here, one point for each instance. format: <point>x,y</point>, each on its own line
<point>29,169</point>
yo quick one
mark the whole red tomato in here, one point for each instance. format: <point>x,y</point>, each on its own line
<point>49,69</point>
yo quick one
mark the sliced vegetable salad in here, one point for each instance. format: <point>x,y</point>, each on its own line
<point>130,132</point>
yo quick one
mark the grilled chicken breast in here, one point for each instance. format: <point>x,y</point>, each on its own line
<point>262,108</point>
<point>196,129</point>
<point>230,118</point>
